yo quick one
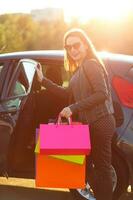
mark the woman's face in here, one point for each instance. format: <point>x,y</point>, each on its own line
<point>76,49</point>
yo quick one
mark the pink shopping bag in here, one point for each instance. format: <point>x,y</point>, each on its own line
<point>65,139</point>
<point>79,159</point>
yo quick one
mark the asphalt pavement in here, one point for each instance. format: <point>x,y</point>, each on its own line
<point>24,189</point>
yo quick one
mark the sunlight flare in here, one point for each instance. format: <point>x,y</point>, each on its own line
<point>101,9</point>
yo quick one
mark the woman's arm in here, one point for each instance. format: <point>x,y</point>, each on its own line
<point>51,86</point>
<point>56,89</point>
<point>96,78</point>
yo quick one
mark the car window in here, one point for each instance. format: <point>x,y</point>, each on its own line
<point>20,84</point>
<point>24,78</point>
<point>56,73</point>
<point>11,105</point>
<point>2,75</point>
<point>29,71</point>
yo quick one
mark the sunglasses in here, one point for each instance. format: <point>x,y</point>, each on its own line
<point>76,45</point>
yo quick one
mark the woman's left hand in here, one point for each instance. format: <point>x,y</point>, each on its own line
<point>66,112</point>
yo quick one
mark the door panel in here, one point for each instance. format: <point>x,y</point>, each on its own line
<point>124,90</point>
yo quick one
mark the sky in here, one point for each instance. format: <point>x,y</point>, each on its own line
<point>84,9</point>
<point>9,6</point>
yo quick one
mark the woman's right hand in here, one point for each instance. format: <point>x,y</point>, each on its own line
<point>39,73</point>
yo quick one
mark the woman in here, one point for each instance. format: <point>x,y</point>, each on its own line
<point>89,98</point>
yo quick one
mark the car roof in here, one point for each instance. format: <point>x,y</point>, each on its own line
<point>39,54</point>
<point>59,55</point>
<point>116,57</point>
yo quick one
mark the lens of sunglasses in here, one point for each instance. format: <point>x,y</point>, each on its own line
<point>75,46</point>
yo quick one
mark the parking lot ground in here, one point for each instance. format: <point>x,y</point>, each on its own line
<point>24,189</point>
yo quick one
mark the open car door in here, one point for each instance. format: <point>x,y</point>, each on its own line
<point>17,87</point>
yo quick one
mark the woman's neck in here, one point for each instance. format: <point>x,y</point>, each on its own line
<point>79,62</point>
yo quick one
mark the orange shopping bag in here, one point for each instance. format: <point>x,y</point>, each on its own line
<point>57,173</point>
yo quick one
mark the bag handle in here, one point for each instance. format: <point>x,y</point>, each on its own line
<point>59,120</point>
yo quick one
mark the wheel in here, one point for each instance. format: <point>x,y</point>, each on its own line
<point>122,173</point>
<point>120,182</point>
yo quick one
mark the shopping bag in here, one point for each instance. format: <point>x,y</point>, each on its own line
<point>64,139</point>
<point>79,159</point>
<point>37,146</point>
<point>57,173</point>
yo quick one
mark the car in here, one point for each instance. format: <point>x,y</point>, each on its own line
<point>24,104</point>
